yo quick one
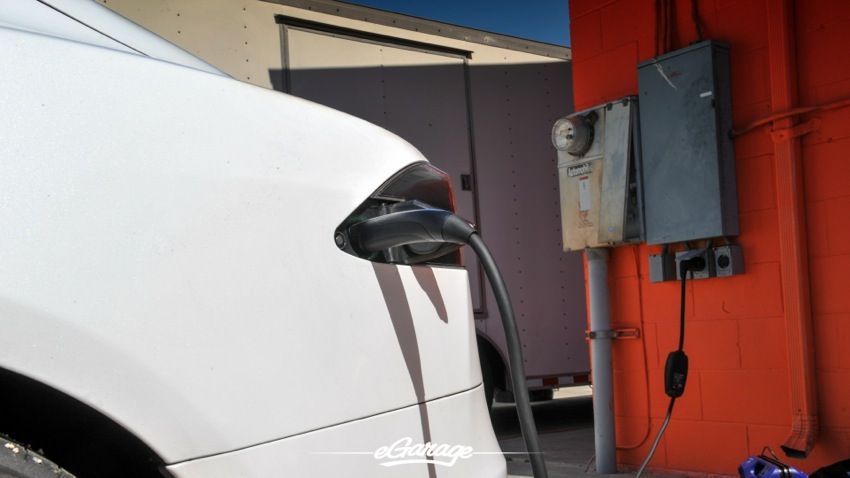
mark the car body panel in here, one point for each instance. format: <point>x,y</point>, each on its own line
<point>167,257</point>
<point>87,22</point>
<point>355,449</point>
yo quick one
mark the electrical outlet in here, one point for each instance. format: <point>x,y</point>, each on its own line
<point>729,260</point>
<point>709,270</point>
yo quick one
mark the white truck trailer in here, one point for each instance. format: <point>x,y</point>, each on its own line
<point>479,105</point>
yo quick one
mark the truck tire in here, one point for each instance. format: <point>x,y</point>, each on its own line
<point>17,461</point>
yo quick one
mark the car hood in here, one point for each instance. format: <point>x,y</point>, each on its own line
<point>87,21</point>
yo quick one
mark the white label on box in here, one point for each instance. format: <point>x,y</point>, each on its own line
<point>584,193</point>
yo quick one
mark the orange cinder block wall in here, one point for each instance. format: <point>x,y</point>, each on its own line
<point>737,399</point>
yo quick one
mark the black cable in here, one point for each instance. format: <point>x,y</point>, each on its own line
<point>657,438</point>
<point>695,18</point>
<point>684,269</point>
<point>684,273</point>
<point>440,226</point>
<point>517,369</point>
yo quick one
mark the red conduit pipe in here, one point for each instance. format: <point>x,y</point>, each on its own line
<point>790,207</point>
<point>800,110</point>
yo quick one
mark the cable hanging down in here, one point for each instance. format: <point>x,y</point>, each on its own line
<point>676,369</point>
<point>440,226</point>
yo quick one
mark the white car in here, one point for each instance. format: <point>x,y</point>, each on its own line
<point>174,297</point>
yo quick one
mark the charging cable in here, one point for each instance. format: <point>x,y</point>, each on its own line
<point>437,225</point>
<point>676,368</point>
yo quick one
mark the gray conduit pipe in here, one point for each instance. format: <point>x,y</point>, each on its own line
<point>602,373</point>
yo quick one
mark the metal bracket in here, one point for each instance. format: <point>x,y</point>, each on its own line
<point>785,134</point>
<point>612,334</point>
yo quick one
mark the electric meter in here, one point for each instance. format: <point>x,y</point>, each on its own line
<point>600,204</point>
<point>573,134</point>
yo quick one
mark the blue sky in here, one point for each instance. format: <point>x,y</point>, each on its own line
<point>541,20</point>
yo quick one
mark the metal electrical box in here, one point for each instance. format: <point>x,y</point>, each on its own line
<point>599,191</point>
<point>688,159</point>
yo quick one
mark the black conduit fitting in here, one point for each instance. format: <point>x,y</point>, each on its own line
<point>437,225</point>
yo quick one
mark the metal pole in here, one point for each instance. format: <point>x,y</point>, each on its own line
<point>601,365</point>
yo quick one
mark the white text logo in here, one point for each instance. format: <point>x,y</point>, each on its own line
<point>404,452</point>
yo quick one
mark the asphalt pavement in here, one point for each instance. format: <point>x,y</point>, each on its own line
<point>565,428</point>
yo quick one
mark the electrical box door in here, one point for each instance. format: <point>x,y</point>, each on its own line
<point>599,193</point>
<point>688,158</point>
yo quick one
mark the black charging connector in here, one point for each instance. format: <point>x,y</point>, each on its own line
<point>675,374</point>
<point>695,261</point>
<point>695,264</point>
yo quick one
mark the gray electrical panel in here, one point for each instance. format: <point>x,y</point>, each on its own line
<point>688,159</point>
